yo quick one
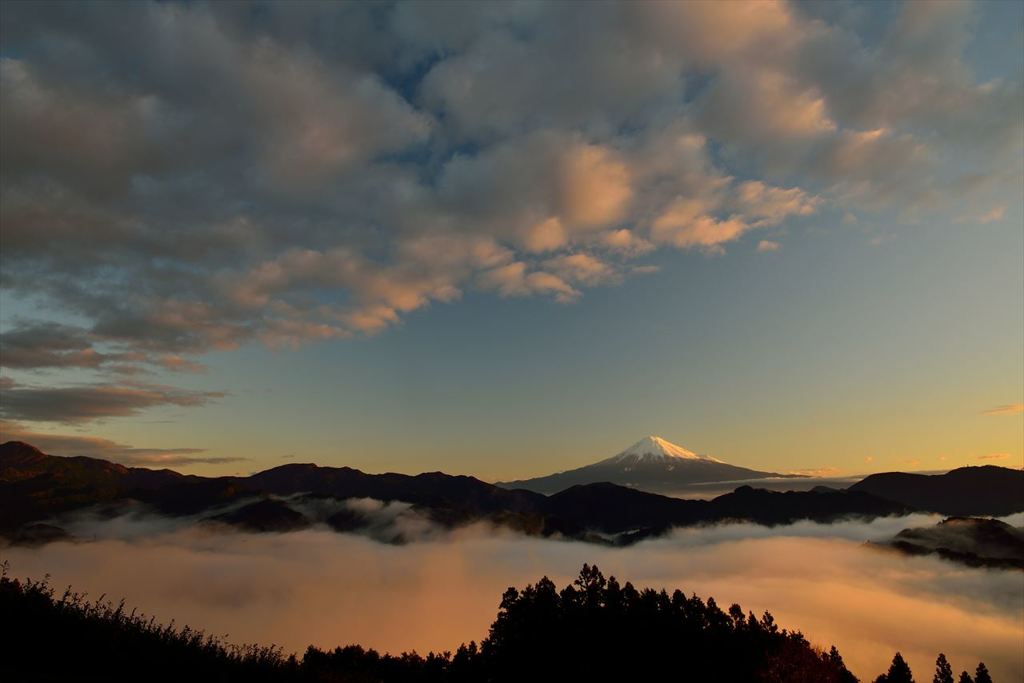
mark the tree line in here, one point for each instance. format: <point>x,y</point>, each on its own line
<point>593,628</point>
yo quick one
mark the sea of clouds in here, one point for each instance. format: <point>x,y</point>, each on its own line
<point>443,588</point>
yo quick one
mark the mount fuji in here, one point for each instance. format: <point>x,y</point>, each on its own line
<point>651,464</point>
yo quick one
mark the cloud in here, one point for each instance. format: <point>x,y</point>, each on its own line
<point>48,345</point>
<point>993,215</point>
<point>1008,409</point>
<point>443,590</point>
<point>87,402</point>
<point>995,456</point>
<point>582,268</point>
<point>625,241</point>
<point>514,280</point>
<point>595,186</point>
<point>686,223</point>
<point>37,345</point>
<point>767,205</point>
<point>32,345</point>
<point>765,246</point>
<point>818,472</point>
<point>106,449</point>
<point>176,363</point>
<point>546,235</point>
<point>248,179</point>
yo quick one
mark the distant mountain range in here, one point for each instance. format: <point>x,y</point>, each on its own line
<point>651,464</point>
<point>36,489</point>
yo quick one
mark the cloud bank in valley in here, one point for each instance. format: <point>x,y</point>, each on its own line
<point>323,588</point>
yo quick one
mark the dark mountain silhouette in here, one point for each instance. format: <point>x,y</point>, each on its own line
<point>651,464</point>
<point>35,487</point>
<point>611,508</point>
<point>785,507</point>
<point>968,540</point>
<point>967,491</point>
<point>453,497</point>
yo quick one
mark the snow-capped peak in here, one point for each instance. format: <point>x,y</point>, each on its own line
<point>654,448</point>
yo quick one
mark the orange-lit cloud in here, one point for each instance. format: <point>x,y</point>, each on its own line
<point>1008,409</point>
<point>582,268</point>
<point>514,280</point>
<point>818,472</point>
<point>595,187</point>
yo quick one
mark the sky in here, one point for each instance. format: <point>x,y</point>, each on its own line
<point>506,239</point>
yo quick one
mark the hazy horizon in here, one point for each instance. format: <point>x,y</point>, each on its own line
<point>796,481</point>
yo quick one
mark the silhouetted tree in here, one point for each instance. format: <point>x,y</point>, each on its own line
<point>965,678</point>
<point>899,671</point>
<point>943,671</point>
<point>836,660</point>
<point>981,674</point>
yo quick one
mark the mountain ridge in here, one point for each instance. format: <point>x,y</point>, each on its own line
<point>37,488</point>
<point>965,491</point>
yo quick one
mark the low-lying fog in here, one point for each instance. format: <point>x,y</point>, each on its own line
<point>325,588</point>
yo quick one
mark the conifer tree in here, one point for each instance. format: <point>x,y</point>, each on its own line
<point>899,671</point>
<point>943,671</point>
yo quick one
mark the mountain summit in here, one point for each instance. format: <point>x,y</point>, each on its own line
<point>651,464</point>
<point>655,449</point>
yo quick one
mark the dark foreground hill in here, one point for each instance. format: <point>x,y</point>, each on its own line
<point>38,488</point>
<point>595,629</point>
<point>967,491</point>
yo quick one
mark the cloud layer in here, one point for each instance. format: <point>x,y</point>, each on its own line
<point>294,172</point>
<point>92,401</point>
<point>98,447</point>
<point>326,588</point>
